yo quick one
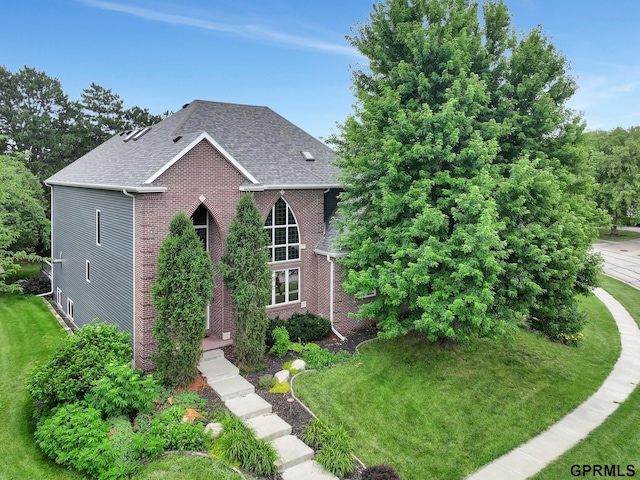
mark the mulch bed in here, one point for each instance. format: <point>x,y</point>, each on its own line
<point>292,412</point>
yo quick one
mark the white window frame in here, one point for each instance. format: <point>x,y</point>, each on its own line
<point>88,271</point>
<point>271,231</point>
<point>69,308</point>
<point>372,293</point>
<point>287,289</point>
<point>98,228</point>
<point>59,296</point>
<point>204,227</point>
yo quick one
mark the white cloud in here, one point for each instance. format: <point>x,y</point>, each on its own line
<point>248,31</point>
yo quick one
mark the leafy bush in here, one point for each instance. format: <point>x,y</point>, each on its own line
<point>281,345</point>
<point>334,447</point>
<point>76,437</point>
<point>266,382</point>
<point>563,325</point>
<point>166,430</point>
<point>301,327</point>
<point>123,391</point>
<point>240,445</point>
<point>79,362</point>
<point>379,472</point>
<point>36,285</point>
<point>316,357</point>
<point>281,387</point>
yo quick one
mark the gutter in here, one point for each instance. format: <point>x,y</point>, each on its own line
<point>331,275</point>
<point>100,186</point>
<point>262,188</point>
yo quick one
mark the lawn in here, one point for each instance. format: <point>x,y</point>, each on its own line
<point>623,235</point>
<point>617,440</point>
<point>434,414</point>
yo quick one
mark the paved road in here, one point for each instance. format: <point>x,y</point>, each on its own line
<point>622,261</point>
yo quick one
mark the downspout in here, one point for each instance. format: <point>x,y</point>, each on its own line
<point>50,246</point>
<point>333,329</point>
<point>133,279</point>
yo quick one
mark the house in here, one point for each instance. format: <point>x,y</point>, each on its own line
<point>112,207</point>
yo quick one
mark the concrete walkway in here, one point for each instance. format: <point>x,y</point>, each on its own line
<point>621,262</point>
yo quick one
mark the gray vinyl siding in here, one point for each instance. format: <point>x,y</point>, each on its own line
<point>109,295</point>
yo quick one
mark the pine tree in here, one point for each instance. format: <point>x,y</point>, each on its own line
<point>183,288</point>
<point>246,273</point>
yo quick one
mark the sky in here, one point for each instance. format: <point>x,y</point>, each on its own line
<point>289,55</point>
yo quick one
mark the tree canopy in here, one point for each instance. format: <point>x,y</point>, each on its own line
<point>615,159</point>
<point>246,273</point>
<point>465,185</point>
<point>183,288</point>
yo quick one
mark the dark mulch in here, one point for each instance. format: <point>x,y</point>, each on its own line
<point>293,412</point>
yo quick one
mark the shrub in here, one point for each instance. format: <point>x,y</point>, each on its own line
<point>240,445</point>
<point>280,387</point>
<point>281,345</point>
<point>123,391</point>
<point>273,324</point>
<point>266,382</point>
<point>316,357</point>
<point>563,325</point>
<point>379,472</point>
<point>36,285</point>
<point>78,362</point>
<point>166,430</point>
<point>334,447</point>
<point>307,327</point>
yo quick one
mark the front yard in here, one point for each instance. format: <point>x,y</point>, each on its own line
<point>434,414</point>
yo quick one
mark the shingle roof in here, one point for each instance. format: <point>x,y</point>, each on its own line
<point>264,146</point>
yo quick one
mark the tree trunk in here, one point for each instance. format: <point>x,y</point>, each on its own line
<point>614,231</point>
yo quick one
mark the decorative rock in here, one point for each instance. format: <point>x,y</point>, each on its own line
<point>213,429</point>
<point>298,364</point>
<point>282,376</point>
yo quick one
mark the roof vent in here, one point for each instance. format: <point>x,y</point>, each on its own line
<point>308,157</point>
<point>140,133</point>
<point>175,140</point>
<point>129,135</point>
<point>185,105</point>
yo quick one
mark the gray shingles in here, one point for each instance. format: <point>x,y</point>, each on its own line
<point>267,145</point>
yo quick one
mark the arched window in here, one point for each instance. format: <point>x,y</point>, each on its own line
<point>200,219</point>
<point>284,236</point>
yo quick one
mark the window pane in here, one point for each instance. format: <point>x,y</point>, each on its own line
<point>269,221</point>
<point>281,212</point>
<point>293,235</point>
<point>294,252</point>
<point>280,236</point>
<point>280,278</point>
<point>292,220</point>
<point>199,217</point>
<point>280,254</point>
<point>293,284</point>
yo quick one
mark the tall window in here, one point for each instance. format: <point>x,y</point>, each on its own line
<point>200,220</point>
<point>284,237</point>
<point>98,227</point>
<point>88,271</point>
<point>70,308</point>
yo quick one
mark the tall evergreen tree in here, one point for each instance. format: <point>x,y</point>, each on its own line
<point>183,288</point>
<point>465,187</point>
<point>246,273</point>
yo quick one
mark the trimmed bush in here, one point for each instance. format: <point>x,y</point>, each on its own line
<point>79,362</point>
<point>379,472</point>
<point>301,327</point>
<point>36,285</point>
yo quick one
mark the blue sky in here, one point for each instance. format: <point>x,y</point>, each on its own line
<point>290,55</point>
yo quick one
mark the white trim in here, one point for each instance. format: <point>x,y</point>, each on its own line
<point>59,297</point>
<point>286,287</point>
<point>100,186</point>
<point>87,271</point>
<point>70,308</point>
<point>133,263</point>
<point>272,228</point>
<point>262,188</point>
<point>216,145</point>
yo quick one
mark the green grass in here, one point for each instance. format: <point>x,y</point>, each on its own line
<point>623,235</point>
<point>617,440</point>
<point>435,414</point>
<point>28,333</point>
<point>186,467</point>
<point>26,270</point>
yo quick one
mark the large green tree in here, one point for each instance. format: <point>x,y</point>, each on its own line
<point>615,159</point>
<point>465,187</point>
<point>24,227</point>
<point>183,288</point>
<point>246,273</point>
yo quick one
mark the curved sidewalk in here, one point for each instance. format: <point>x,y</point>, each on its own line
<point>532,456</point>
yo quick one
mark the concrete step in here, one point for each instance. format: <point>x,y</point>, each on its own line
<point>269,426</point>
<point>232,387</point>
<point>211,354</point>
<point>248,406</point>
<point>291,451</point>
<point>217,368</point>
<point>309,470</point>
